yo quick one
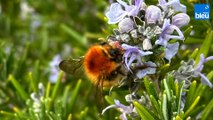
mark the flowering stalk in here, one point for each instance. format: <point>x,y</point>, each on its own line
<point>148,34</point>
<point>154,31</point>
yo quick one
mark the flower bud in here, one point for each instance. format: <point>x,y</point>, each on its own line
<point>147,45</point>
<point>125,25</point>
<point>134,33</point>
<point>153,14</point>
<point>180,19</point>
<point>125,37</point>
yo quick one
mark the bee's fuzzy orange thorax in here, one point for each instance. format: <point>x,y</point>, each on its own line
<point>96,63</point>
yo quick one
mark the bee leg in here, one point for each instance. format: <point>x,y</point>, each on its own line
<point>134,87</point>
<point>99,92</point>
<point>123,81</point>
<point>121,70</point>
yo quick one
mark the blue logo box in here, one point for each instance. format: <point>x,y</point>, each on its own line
<point>202,11</point>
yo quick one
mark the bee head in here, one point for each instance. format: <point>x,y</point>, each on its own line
<point>113,50</point>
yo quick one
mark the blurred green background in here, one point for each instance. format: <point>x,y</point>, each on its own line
<point>33,32</point>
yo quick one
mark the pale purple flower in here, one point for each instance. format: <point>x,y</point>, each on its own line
<point>180,19</point>
<point>167,30</point>
<point>171,50</point>
<point>133,53</point>
<point>177,6</point>
<point>153,14</point>
<point>123,108</point>
<point>151,69</point>
<point>116,12</point>
<point>199,68</point>
<point>126,25</point>
<point>54,68</point>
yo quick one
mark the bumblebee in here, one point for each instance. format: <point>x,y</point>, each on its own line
<point>102,64</point>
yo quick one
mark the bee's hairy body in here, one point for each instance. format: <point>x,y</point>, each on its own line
<point>102,64</point>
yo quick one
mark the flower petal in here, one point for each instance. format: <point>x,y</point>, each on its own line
<point>205,80</point>
<point>209,58</point>
<point>131,59</point>
<point>161,41</point>
<point>123,116</point>
<point>161,2</point>
<point>171,51</point>
<point>153,14</point>
<point>177,6</point>
<point>115,14</point>
<point>180,35</point>
<point>126,25</point>
<point>133,53</point>
<point>180,19</point>
<point>199,66</point>
<point>147,71</point>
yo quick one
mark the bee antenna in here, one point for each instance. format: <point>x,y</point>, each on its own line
<point>103,43</point>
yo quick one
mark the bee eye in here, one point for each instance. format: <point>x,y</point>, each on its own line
<point>114,52</point>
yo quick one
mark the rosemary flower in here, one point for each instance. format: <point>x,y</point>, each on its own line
<point>126,25</point>
<point>153,14</point>
<point>150,69</point>
<point>116,12</point>
<point>126,110</point>
<point>54,70</point>
<point>189,70</point>
<point>180,19</point>
<point>166,34</point>
<point>199,67</point>
<point>133,53</point>
<point>175,4</point>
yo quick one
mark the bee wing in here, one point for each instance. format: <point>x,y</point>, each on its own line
<point>72,66</point>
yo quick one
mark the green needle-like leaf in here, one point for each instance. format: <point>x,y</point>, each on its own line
<point>188,31</point>
<point>155,104</point>
<point>164,107</point>
<point>18,87</point>
<point>204,49</point>
<point>193,105</point>
<point>56,87</point>
<point>150,88</point>
<point>83,114</point>
<point>143,112</point>
<point>179,96</point>
<point>109,99</point>
<point>74,94</point>
<point>32,82</point>
<point>194,53</point>
<point>206,112</point>
<point>65,95</point>
<point>190,95</point>
<point>167,90</point>
<point>81,40</point>
<point>48,88</point>
<point>7,113</point>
